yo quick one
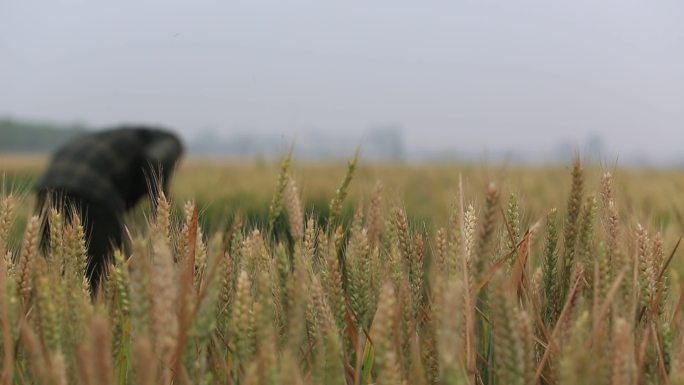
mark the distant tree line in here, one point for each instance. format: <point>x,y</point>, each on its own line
<point>26,136</point>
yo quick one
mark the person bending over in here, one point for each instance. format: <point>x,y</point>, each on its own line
<point>102,175</point>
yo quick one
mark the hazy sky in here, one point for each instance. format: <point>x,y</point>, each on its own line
<point>480,74</point>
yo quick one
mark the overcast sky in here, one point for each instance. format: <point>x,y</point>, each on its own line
<point>521,74</point>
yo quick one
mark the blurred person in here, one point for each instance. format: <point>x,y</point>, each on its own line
<point>101,175</point>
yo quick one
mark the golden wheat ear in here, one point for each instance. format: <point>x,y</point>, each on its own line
<point>8,205</point>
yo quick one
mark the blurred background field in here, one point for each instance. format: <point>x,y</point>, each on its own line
<point>223,189</point>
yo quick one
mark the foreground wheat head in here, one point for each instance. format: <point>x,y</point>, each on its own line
<point>580,295</point>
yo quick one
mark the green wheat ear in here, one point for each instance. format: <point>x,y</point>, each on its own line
<point>341,192</point>
<point>509,346</point>
<point>571,229</point>
<point>550,286</point>
<point>585,246</point>
<point>357,259</point>
<point>276,206</point>
<point>513,218</point>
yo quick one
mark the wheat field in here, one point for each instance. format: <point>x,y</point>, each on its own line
<point>253,273</point>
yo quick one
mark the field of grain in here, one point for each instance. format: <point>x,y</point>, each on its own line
<point>296,273</point>
<point>222,189</point>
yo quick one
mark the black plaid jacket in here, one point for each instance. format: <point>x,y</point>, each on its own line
<point>112,167</point>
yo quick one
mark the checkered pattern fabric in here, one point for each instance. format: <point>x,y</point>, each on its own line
<point>112,167</point>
